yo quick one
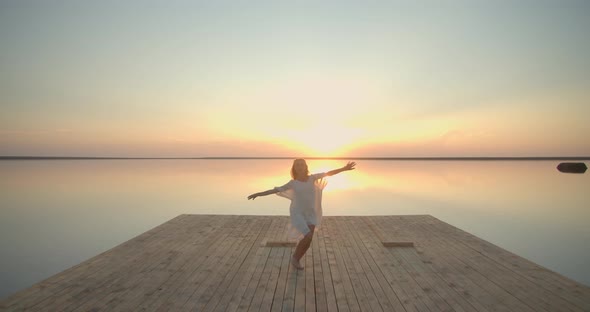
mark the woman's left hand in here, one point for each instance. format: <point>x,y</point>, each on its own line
<point>349,166</point>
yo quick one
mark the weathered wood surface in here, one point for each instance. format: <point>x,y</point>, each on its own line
<point>241,263</point>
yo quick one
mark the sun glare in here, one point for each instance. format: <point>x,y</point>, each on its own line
<point>320,107</point>
<point>325,140</point>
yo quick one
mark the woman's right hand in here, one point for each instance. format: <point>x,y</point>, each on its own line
<point>253,196</point>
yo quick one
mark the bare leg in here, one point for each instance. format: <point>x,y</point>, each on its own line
<point>302,247</point>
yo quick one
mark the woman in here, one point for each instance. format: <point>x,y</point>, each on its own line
<point>305,193</point>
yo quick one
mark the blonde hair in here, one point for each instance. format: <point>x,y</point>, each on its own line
<point>293,167</point>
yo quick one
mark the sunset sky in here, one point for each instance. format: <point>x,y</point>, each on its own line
<point>295,78</point>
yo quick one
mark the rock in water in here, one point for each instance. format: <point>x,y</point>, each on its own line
<point>572,167</point>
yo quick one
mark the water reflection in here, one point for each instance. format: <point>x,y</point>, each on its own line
<point>55,214</point>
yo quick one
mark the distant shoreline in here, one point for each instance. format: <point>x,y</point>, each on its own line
<point>567,158</point>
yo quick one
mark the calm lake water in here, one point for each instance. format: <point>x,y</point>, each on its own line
<point>57,213</point>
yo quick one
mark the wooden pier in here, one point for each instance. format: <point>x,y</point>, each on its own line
<point>241,263</point>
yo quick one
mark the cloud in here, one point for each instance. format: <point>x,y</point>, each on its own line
<point>33,132</point>
<point>167,148</point>
<point>457,142</point>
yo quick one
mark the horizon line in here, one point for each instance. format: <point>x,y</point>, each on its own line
<point>310,158</point>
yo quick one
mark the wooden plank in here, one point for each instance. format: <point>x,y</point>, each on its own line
<point>224,268</point>
<point>366,299</point>
<point>291,284</point>
<point>279,295</point>
<point>61,284</point>
<point>320,287</point>
<point>240,277</point>
<point>280,244</point>
<point>271,289</point>
<point>359,234</point>
<point>299,302</point>
<point>149,277</point>
<point>566,288</point>
<point>397,244</point>
<point>454,281</point>
<point>465,256</point>
<point>524,290</point>
<point>83,269</point>
<point>310,286</point>
<point>470,283</point>
<point>398,297</point>
<point>266,285</point>
<point>160,285</point>
<point>183,282</point>
<point>411,295</point>
<point>277,300</point>
<point>249,240</point>
<point>330,295</point>
<point>377,284</point>
<point>375,294</point>
<point>439,303</point>
<point>335,269</point>
<point>467,284</point>
<point>344,268</point>
<point>240,291</point>
<point>386,241</point>
<point>523,269</point>
<point>125,275</point>
<point>202,266</point>
<point>433,282</point>
<point>244,240</point>
<point>464,282</point>
<point>422,281</point>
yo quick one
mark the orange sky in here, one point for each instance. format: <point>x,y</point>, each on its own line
<point>277,79</point>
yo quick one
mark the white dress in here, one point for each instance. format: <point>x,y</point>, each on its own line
<point>306,203</point>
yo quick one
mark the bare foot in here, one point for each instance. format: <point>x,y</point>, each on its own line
<point>296,264</point>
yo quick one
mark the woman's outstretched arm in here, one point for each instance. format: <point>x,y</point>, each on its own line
<point>349,166</point>
<point>272,191</point>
